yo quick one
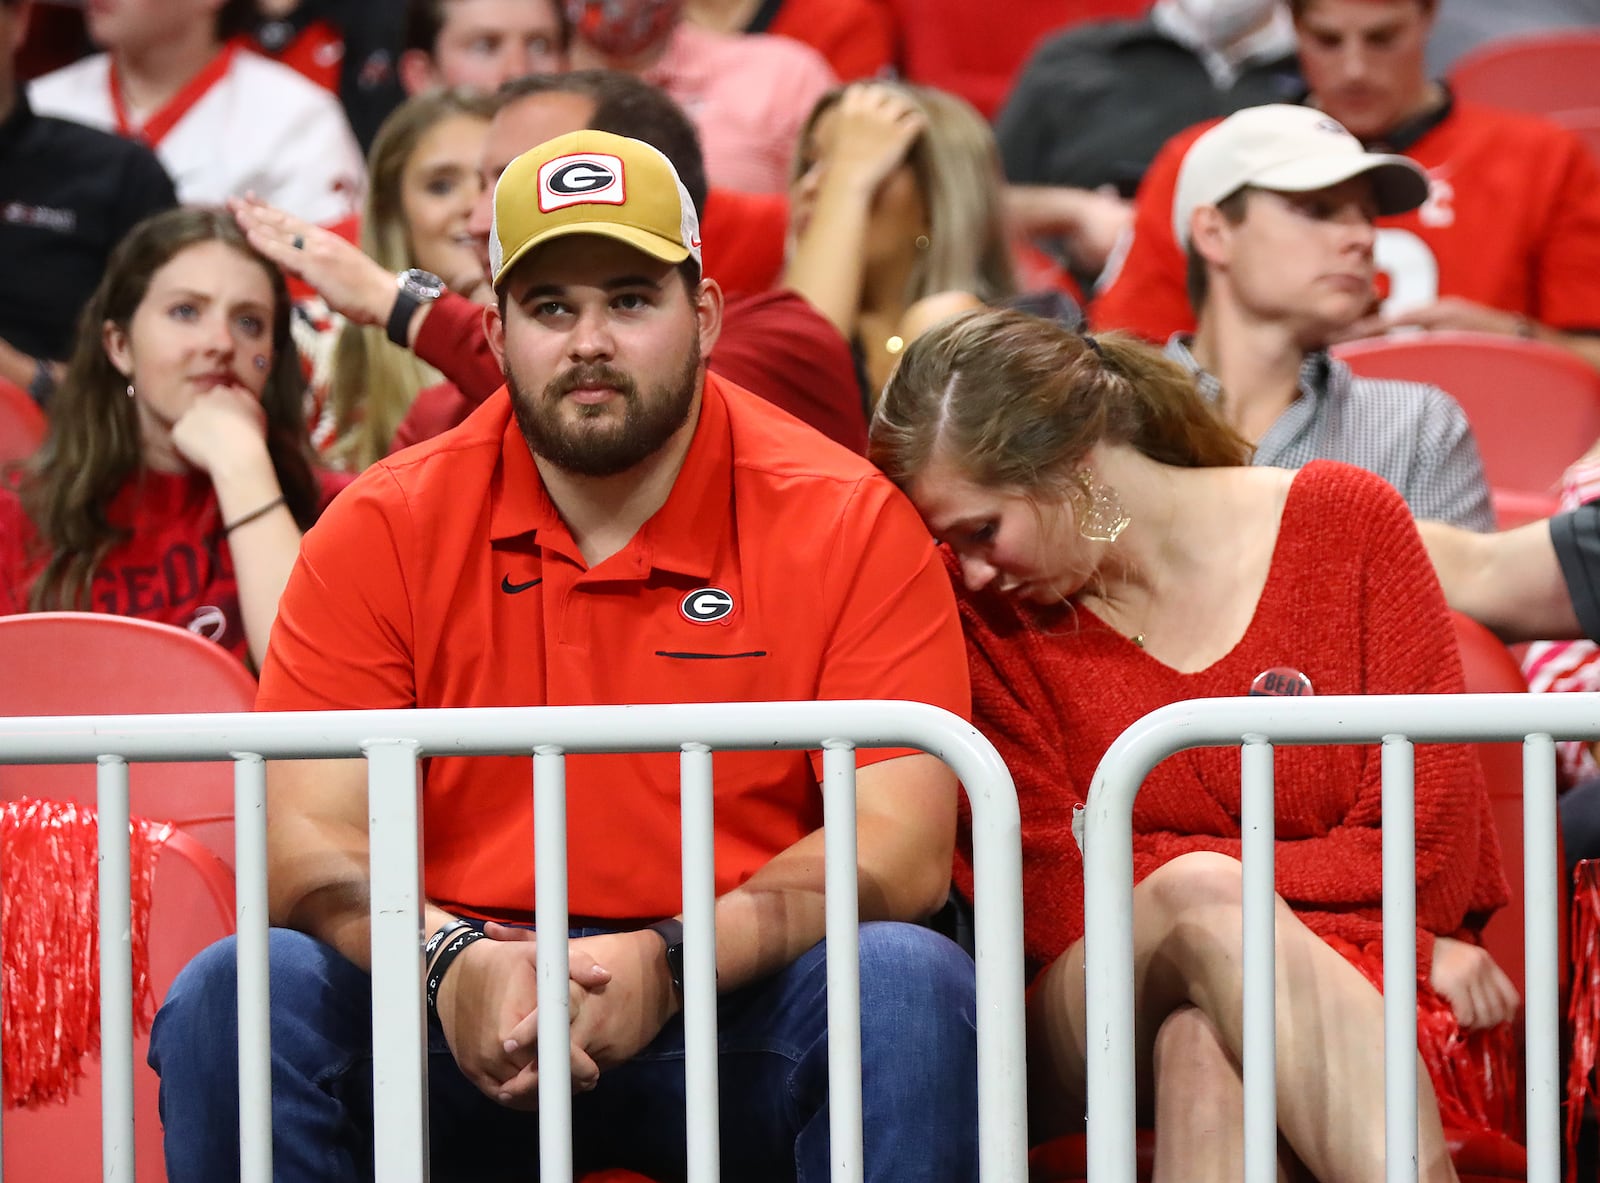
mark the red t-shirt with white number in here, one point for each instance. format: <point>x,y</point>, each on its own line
<point>1512,221</point>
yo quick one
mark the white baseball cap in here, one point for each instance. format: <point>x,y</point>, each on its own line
<point>1288,149</point>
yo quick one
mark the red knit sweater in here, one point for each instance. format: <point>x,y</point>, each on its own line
<point>1352,602</point>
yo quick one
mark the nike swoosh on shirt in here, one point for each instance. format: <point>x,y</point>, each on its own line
<point>512,589</point>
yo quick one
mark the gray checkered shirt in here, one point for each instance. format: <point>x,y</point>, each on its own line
<point>1412,435</point>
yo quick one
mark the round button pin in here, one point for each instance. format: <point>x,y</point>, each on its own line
<point>1281,681</point>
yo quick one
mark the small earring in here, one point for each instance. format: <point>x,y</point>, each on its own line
<point>130,389</point>
<point>261,361</point>
<point>1101,517</point>
<point>923,242</point>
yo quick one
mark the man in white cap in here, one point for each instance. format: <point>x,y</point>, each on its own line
<point>1507,243</point>
<point>615,525</point>
<point>1275,207</point>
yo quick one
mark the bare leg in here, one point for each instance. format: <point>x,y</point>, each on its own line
<point>1199,1107</point>
<point>1187,938</point>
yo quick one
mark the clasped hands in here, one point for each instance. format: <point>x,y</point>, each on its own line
<point>620,996</point>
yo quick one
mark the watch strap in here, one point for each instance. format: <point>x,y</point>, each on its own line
<point>671,933</point>
<point>405,307</point>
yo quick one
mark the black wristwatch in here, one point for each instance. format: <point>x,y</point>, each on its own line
<point>417,287</point>
<point>671,932</point>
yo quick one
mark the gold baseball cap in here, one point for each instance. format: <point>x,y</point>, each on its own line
<point>592,182</point>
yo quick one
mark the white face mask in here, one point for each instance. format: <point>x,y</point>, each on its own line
<point>1222,22</point>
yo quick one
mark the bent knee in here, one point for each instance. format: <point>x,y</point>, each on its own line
<point>1199,879</point>
<point>908,966</point>
<point>213,972</point>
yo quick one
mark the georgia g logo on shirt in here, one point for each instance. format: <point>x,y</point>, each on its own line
<point>584,178</point>
<point>706,605</point>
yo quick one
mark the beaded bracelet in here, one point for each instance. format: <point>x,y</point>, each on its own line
<point>447,958</point>
<point>230,527</point>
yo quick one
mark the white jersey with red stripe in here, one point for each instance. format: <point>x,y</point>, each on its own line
<point>245,124</point>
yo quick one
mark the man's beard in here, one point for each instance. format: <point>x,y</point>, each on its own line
<point>592,448</point>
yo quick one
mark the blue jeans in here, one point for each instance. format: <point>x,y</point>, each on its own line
<point>918,1053</point>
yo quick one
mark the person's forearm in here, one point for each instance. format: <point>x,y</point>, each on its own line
<point>828,265</point>
<point>263,541</point>
<point>456,344</point>
<point>318,870</point>
<point>1044,210</point>
<point>17,367</point>
<point>778,913</point>
<point>1509,582</point>
<point>320,884</point>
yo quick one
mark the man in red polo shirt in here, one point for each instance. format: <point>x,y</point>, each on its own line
<point>615,525</point>
<point>1508,241</point>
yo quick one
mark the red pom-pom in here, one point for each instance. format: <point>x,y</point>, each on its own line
<point>1583,1007</point>
<point>49,911</point>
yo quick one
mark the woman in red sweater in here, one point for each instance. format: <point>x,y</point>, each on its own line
<point>1114,553</point>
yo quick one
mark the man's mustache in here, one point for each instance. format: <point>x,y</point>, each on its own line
<point>590,376</point>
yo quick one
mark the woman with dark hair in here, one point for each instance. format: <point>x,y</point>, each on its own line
<point>176,479</point>
<point>1114,552</point>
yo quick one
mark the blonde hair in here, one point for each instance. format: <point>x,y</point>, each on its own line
<point>372,382</point>
<point>1016,402</point>
<point>958,172</point>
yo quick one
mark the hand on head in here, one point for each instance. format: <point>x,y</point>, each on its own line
<point>353,284</point>
<point>873,130</point>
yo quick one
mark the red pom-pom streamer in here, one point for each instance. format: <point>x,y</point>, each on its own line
<point>1583,1006</point>
<point>49,915</point>
<point>1476,1074</point>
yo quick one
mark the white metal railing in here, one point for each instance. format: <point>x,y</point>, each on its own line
<point>392,742</point>
<point>1396,721</point>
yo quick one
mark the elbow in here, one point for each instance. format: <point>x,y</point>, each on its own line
<point>913,895</point>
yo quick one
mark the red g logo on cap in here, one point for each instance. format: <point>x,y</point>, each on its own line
<point>586,178</point>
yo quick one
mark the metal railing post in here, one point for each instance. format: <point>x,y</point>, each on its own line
<point>399,1015</point>
<point>553,966</point>
<point>116,972</point>
<point>1259,851</point>
<point>255,1003</point>
<point>700,964</point>
<point>844,960</point>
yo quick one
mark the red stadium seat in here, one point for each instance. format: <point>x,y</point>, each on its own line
<point>1478,1158</point>
<point>1534,407</point>
<point>964,48</point>
<point>88,663</point>
<point>22,423</point>
<point>75,663</point>
<point>1543,73</point>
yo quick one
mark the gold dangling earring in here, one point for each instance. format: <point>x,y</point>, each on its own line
<point>923,242</point>
<point>1101,517</point>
